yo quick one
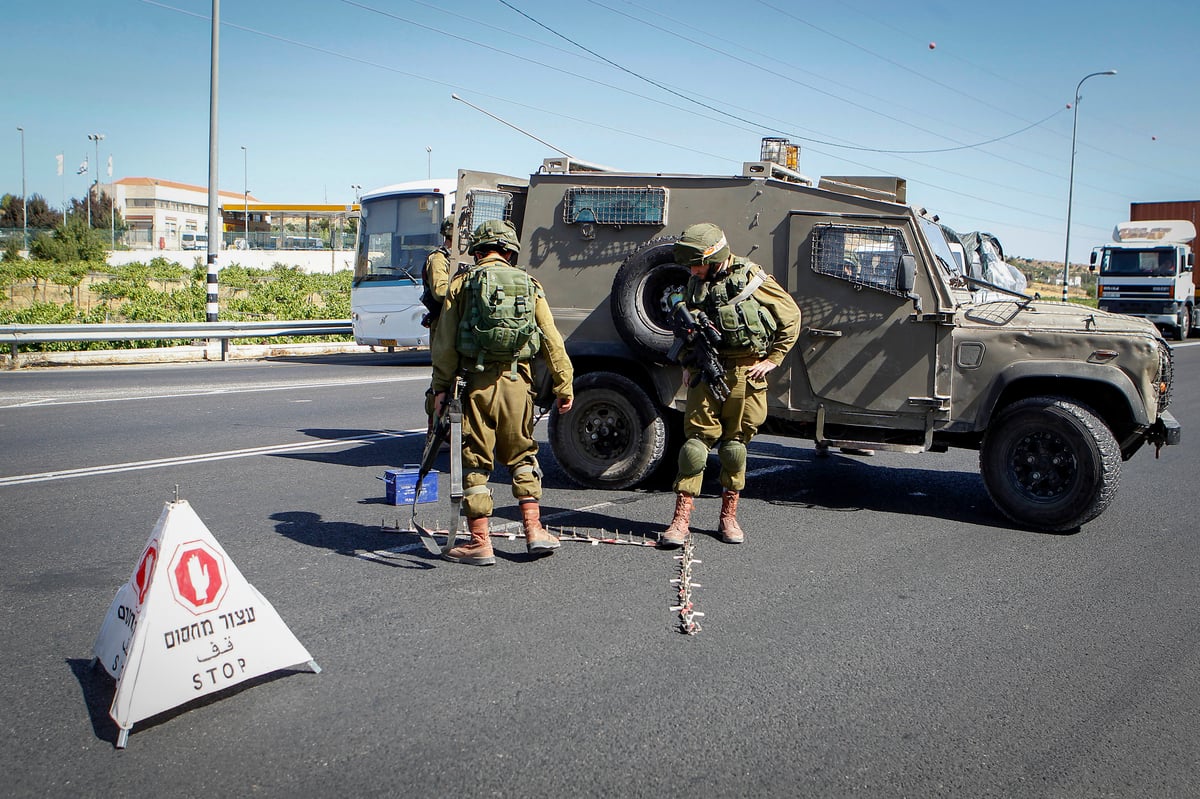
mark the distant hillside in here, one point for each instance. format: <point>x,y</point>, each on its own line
<point>1048,274</point>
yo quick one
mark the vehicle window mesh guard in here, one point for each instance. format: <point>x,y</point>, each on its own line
<point>489,204</point>
<point>602,205</point>
<point>864,256</point>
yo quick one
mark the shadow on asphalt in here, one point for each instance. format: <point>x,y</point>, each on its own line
<point>98,690</point>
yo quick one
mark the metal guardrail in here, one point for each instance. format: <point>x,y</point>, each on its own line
<point>15,335</point>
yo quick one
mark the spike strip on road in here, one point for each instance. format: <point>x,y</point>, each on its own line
<point>684,585</point>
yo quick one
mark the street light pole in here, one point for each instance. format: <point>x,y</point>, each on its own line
<point>246,193</point>
<point>1071,179</point>
<point>24,198</point>
<point>97,138</point>
<point>357,191</point>
<point>428,162</point>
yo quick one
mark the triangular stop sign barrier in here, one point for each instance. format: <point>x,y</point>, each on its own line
<point>187,624</point>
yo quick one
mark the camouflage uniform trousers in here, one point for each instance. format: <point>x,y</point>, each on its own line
<point>712,422</point>
<point>498,425</point>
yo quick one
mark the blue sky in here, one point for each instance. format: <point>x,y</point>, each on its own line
<point>325,94</point>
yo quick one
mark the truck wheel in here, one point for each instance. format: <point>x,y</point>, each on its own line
<point>1185,323</point>
<point>613,437</point>
<point>1050,464</point>
<point>640,309</point>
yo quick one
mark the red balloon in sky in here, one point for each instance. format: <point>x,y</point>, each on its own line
<point>932,45</point>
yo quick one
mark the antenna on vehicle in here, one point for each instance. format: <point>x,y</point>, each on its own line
<point>571,164</point>
<point>514,127</point>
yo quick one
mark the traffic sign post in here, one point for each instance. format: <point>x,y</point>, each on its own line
<point>187,624</point>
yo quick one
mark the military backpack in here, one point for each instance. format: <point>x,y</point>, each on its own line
<point>498,324</point>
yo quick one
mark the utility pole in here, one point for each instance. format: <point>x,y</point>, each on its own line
<point>24,198</point>
<point>97,138</point>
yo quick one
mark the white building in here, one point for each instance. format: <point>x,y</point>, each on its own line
<point>158,212</point>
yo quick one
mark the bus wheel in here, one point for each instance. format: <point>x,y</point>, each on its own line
<point>640,309</point>
<point>613,437</point>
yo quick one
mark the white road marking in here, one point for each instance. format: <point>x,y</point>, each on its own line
<point>158,463</point>
<point>39,402</point>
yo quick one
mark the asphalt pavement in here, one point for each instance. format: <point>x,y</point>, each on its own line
<point>884,631</point>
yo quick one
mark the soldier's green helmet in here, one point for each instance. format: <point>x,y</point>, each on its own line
<point>448,227</point>
<point>703,243</point>
<point>495,233</point>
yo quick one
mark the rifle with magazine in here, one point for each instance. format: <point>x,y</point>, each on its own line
<point>695,348</point>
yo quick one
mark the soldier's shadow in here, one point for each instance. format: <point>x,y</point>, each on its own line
<point>400,547</point>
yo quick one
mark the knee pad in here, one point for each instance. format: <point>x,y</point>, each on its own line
<point>733,456</point>
<point>692,457</point>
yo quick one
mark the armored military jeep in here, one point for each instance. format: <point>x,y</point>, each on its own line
<point>899,348</point>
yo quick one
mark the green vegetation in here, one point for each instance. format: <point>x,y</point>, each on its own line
<point>164,291</point>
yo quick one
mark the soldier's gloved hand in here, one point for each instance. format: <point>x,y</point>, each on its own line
<point>439,401</point>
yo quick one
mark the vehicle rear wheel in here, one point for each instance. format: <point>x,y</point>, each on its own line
<point>640,308</point>
<point>613,437</point>
<point>1050,464</point>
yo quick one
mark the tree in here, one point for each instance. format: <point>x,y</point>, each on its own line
<point>102,209</point>
<point>41,215</point>
<point>74,241</point>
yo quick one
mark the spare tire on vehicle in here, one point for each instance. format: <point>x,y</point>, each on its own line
<point>640,308</point>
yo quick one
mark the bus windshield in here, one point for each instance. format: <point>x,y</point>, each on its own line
<point>396,234</point>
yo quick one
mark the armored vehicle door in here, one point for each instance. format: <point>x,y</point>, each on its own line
<point>869,355</point>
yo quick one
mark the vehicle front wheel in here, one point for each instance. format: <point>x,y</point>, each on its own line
<point>1050,464</point>
<point>613,437</point>
<point>1185,323</point>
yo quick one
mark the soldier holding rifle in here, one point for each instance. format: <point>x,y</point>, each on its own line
<point>751,322</point>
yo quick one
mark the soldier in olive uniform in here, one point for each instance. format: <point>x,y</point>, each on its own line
<point>435,276</point>
<point>759,323</point>
<point>498,404</point>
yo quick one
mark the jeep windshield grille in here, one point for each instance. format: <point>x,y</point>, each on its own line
<point>864,256</point>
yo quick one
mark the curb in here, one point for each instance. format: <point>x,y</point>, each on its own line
<point>187,354</point>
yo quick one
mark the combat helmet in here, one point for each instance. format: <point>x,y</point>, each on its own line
<point>448,227</point>
<point>495,233</point>
<point>702,243</point>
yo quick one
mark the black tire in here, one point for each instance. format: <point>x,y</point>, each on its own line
<point>614,436</point>
<point>639,304</point>
<point>1185,324</point>
<point>1050,464</point>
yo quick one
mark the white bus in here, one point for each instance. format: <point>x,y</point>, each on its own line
<point>399,226</point>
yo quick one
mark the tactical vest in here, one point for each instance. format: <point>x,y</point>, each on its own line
<point>498,324</point>
<point>745,325</point>
<point>427,298</point>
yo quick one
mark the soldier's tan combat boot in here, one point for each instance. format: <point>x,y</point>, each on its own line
<point>477,551</point>
<point>728,527</point>
<point>537,540</point>
<point>677,533</point>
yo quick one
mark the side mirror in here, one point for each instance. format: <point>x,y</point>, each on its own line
<point>1092,262</point>
<point>907,275</point>
<point>1191,260</point>
<point>906,279</point>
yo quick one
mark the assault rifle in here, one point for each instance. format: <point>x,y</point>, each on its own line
<point>696,333</point>
<point>447,426</point>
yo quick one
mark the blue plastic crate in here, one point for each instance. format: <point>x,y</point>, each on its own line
<point>402,484</point>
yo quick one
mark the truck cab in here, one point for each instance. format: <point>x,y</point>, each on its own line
<point>1147,271</point>
<point>897,352</point>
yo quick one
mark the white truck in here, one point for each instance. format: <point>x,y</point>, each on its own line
<point>1147,271</point>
